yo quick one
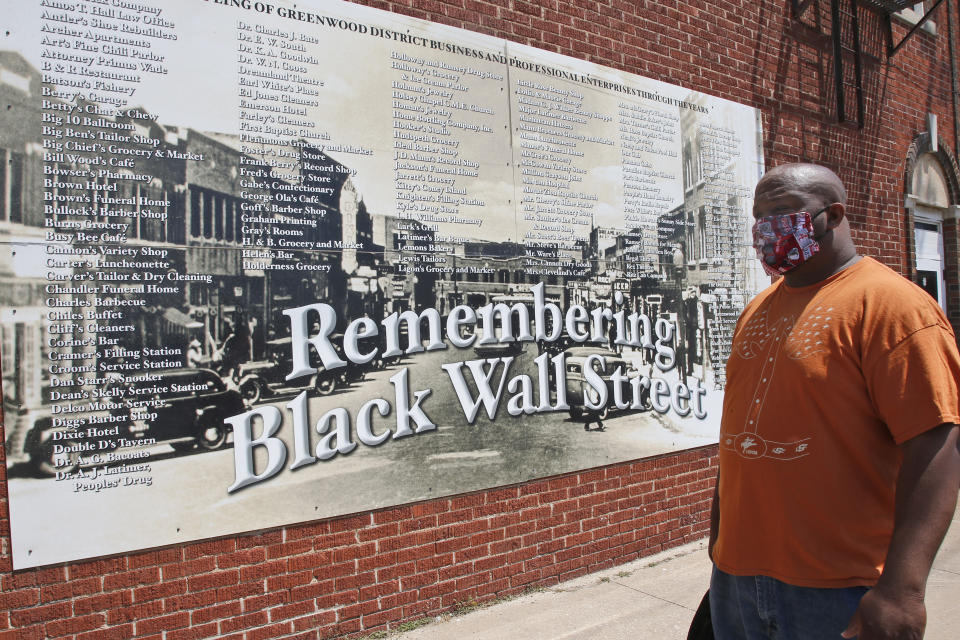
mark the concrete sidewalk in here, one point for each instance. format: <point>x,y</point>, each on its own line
<point>653,598</point>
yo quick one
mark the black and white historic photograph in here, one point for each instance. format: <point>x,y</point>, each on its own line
<point>271,262</point>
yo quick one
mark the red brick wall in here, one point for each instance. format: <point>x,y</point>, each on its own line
<point>362,573</point>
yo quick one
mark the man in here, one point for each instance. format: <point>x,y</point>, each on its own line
<point>839,467</point>
<point>194,354</point>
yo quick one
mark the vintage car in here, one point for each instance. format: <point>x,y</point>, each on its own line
<point>261,378</point>
<point>498,349</point>
<point>578,390</point>
<point>193,404</point>
<point>509,347</point>
<point>380,361</point>
<point>30,437</point>
<point>561,344</point>
<point>184,407</point>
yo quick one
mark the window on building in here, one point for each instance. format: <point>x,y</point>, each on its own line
<point>195,207</point>
<point>198,296</point>
<point>98,193</point>
<point>689,236</point>
<point>207,200</point>
<point>4,184</point>
<point>928,236</point>
<point>150,228</point>
<point>229,219</point>
<point>11,186</point>
<point>237,223</point>
<point>127,189</point>
<point>7,362</point>
<point>175,227</point>
<point>703,253</point>
<point>218,231</point>
<point>701,172</point>
<point>928,201</point>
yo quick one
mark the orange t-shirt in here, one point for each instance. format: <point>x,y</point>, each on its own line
<point>823,383</point>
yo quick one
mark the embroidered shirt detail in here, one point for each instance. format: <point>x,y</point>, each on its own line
<point>769,339</point>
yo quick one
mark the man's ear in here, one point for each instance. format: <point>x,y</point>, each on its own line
<point>835,214</point>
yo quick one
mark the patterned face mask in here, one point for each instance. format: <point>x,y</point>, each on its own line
<point>785,241</point>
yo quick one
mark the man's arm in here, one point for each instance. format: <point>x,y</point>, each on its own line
<point>925,502</point>
<point>714,517</point>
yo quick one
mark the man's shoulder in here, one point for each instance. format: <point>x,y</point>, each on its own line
<point>872,268</point>
<point>877,279</point>
<point>894,303</point>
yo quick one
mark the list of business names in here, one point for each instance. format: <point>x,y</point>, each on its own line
<point>100,212</point>
<point>440,117</point>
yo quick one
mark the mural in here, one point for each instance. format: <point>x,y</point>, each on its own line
<point>265,263</point>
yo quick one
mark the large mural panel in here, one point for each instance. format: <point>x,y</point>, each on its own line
<point>269,262</point>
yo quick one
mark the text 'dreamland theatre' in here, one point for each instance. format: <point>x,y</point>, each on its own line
<point>267,262</point>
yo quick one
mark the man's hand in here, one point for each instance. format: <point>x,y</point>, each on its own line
<point>925,502</point>
<point>884,617</point>
<point>714,517</point>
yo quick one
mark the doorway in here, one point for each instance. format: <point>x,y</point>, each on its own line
<point>928,239</point>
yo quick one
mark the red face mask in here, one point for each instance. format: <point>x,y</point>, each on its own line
<point>785,241</point>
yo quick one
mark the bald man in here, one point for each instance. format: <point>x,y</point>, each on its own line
<point>839,467</point>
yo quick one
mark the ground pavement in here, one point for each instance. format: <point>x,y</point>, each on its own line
<point>651,598</point>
